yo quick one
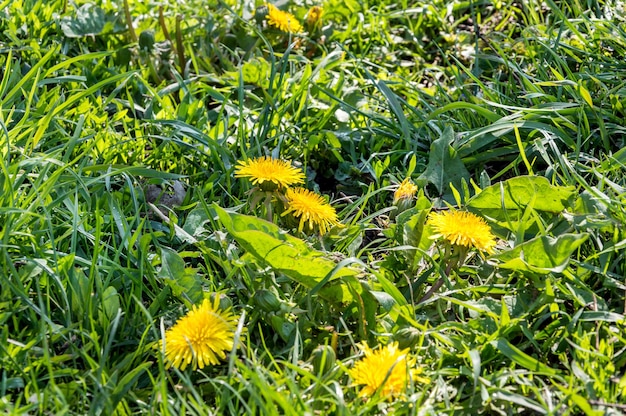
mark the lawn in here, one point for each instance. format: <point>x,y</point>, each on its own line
<point>313,207</point>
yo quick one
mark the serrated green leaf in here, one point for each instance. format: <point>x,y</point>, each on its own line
<point>172,265</point>
<point>444,164</point>
<point>184,282</point>
<point>517,193</point>
<point>288,255</point>
<point>197,218</point>
<point>91,20</point>
<point>542,254</point>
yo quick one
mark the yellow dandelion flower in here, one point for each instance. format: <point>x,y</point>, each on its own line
<point>201,337</point>
<point>406,191</point>
<point>269,174</point>
<point>463,229</point>
<point>314,16</point>
<point>388,370</point>
<point>284,21</point>
<point>311,207</point>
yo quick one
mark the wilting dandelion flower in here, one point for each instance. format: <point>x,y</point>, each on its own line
<point>201,337</point>
<point>387,369</point>
<point>463,229</point>
<point>406,191</point>
<point>269,174</point>
<point>312,208</point>
<point>284,21</point>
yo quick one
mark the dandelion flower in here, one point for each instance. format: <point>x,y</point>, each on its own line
<point>463,229</point>
<point>284,21</point>
<point>201,337</point>
<point>406,191</point>
<point>314,16</point>
<point>388,370</point>
<point>269,174</point>
<point>311,207</point>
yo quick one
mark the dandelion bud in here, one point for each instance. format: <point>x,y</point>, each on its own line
<point>323,358</point>
<point>406,337</point>
<point>266,300</point>
<point>314,18</point>
<point>146,40</point>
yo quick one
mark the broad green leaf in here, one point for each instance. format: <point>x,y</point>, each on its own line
<point>110,302</point>
<point>172,265</point>
<point>517,193</point>
<point>410,230</point>
<point>255,71</point>
<point>367,305</point>
<point>80,292</point>
<point>289,255</point>
<point>444,164</point>
<point>91,20</point>
<point>390,289</point>
<point>183,281</point>
<point>384,299</point>
<point>541,255</point>
<point>518,356</point>
<point>196,220</point>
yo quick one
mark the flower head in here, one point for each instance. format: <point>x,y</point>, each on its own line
<point>201,337</point>
<point>463,229</point>
<point>406,191</point>
<point>311,207</point>
<point>314,16</point>
<point>388,370</point>
<point>284,21</point>
<point>268,173</point>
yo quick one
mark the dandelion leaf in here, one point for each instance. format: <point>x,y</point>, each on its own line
<point>91,20</point>
<point>110,302</point>
<point>410,230</point>
<point>445,166</point>
<point>184,282</point>
<point>290,256</point>
<point>541,255</point>
<point>520,192</point>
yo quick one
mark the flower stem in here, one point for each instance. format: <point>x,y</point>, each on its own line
<point>129,22</point>
<point>431,291</point>
<point>451,263</point>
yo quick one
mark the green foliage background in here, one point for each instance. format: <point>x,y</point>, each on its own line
<point>511,110</point>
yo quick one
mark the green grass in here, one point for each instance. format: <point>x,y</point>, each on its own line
<point>469,99</point>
